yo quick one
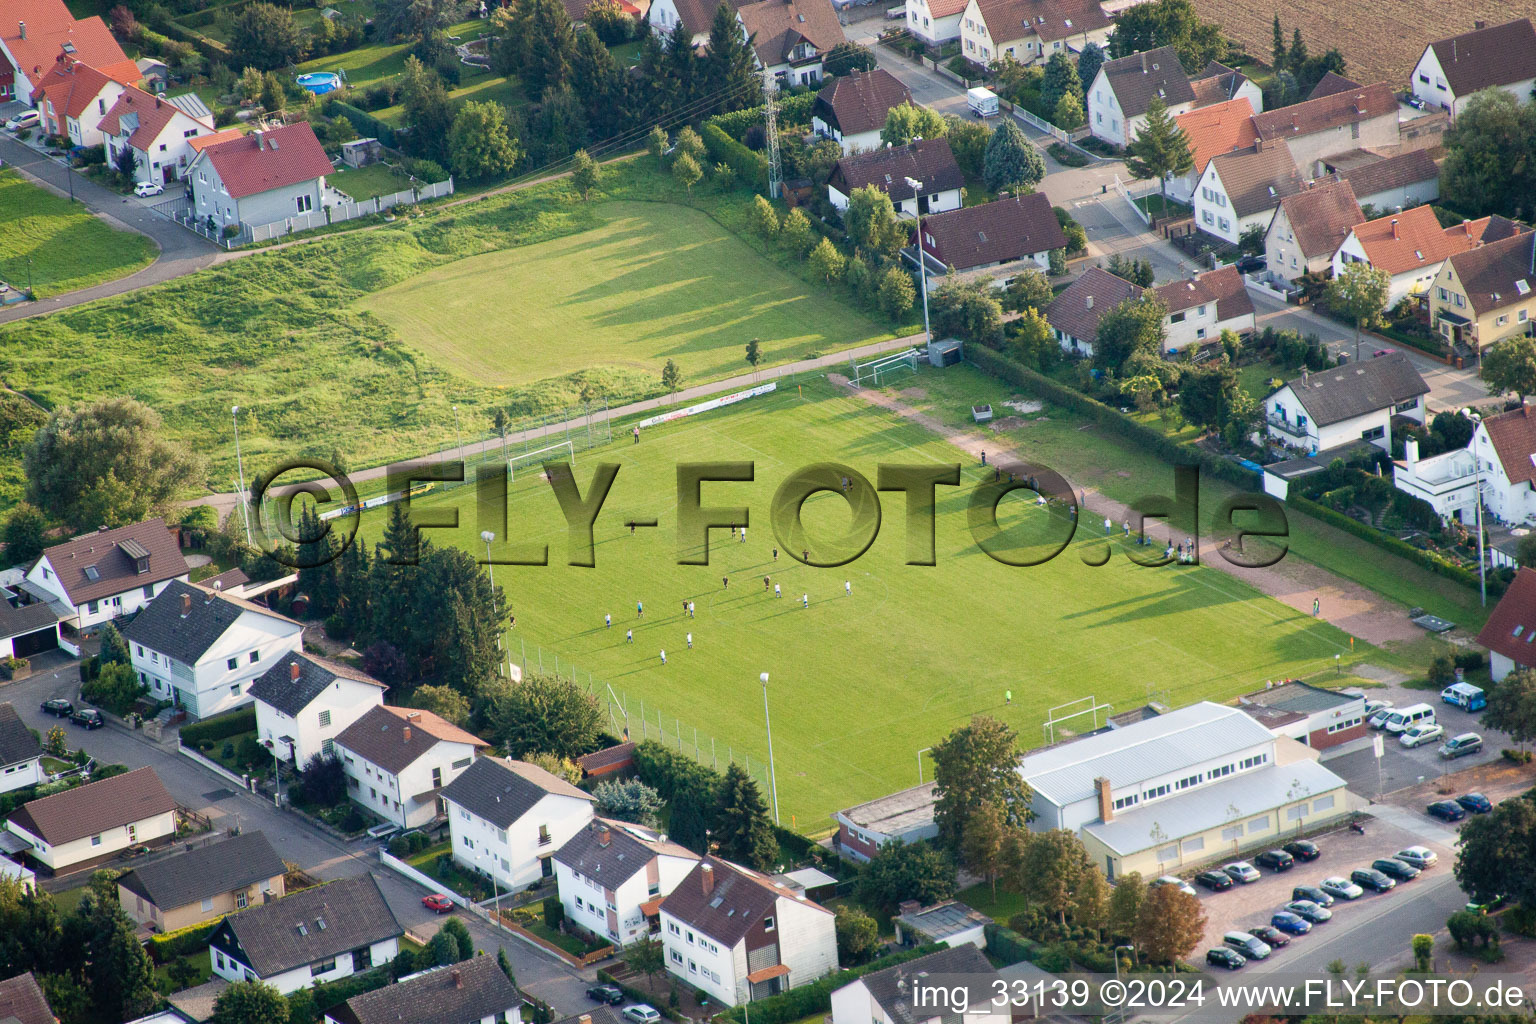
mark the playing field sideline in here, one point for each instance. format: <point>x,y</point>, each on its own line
<point>860,682</point>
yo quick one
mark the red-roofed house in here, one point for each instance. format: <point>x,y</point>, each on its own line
<point>935,21</point>
<point>1029,31</point>
<point>1411,246</point>
<point>1505,446</point>
<point>34,34</point>
<point>1510,629</point>
<point>1203,306</point>
<point>1212,131</point>
<point>74,98</point>
<point>158,130</point>
<point>260,178</point>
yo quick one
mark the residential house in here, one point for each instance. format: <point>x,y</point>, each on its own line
<point>1503,446</point>
<point>1211,131</point>
<point>154,74</point>
<point>1314,715</point>
<point>1242,190</point>
<point>1075,312</point>
<point>1482,296</point>
<point>98,576</point>
<point>1356,401</point>
<point>1508,631</point>
<point>507,819</point>
<point>26,629</point>
<point>202,884</point>
<point>304,702</point>
<point>261,178</point>
<point>22,1001</point>
<point>158,130</point>
<point>1411,247</point>
<point>1396,182</point>
<point>36,34</point>
<point>1315,130</point>
<point>852,108</point>
<point>695,15</point>
<point>905,816</point>
<point>201,649</point>
<point>1001,238</point>
<point>398,760</point>
<point>929,162</point>
<point>321,934</point>
<point>1217,84</point>
<point>89,824</point>
<point>935,22</point>
<point>1307,230</point>
<point>1330,84</point>
<point>888,996</point>
<point>473,991</point>
<point>1451,70</point>
<point>22,876</point>
<point>791,38</point>
<point>1182,788</point>
<point>74,97</point>
<point>1120,93</point>
<point>1448,481</point>
<point>1029,31</point>
<point>21,756</point>
<point>737,936</point>
<point>612,875</point>
<point>1202,307</point>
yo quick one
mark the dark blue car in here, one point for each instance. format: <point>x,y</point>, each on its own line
<point>1446,810</point>
<point>1293,924</point>
<point>1476,803</point>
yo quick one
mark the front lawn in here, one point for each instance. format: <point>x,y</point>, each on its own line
<point>366,182</point>
<point>198,970</point>
<point>1157,206</point>
<point>53,765</point>
<point>65,246</point>
<point>999,908</point>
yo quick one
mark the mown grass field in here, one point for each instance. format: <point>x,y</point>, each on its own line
<point>860,682</point>
<point>651,283</point>
<point>69,248</point>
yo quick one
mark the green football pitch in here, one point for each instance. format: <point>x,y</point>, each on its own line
<point>860,683</point>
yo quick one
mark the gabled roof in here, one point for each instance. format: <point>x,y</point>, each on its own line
<point>1141,76</point>
<point>1223,286</point>
<point>18,619</point>
<point>1355,389</point>
<point>17,743</point>
<point>1411,168</point>
<point>100,564</point>
<point>311,926</point>
<point>1080,306</point>
<point>778,26</point>
<point>264,160</point>
<point>1513,435</point>
<point>1497,55</point>
<point>1513,623</point>
<point>1401,243</point>
<point>501,791</point>
<point>393,738</point>
<point>153,113</point>
<point>1331,84</point>
<point>1219,128</point>
<point>197,874</point>
<point>725,900</point>
<point>291,692</point>
<point>184,621</point>
<point>72,85</point>
<point>95,807</point>
<point>202,142</point>
<point>859,102</point>
<point>891,989</point>
<point>1049,20</point>
<point>1326,112</point>
<point>612,852</point>
<point>929,161</point>
<point>1217,84</point>
<point>995,232</point>
<point>53,33</point>
<point>1321,216</point>
<point>1257,178</point>
<point>697,15</point>
<point>470,990</point>
<point>22,1001</point>
<point>1497,274</point>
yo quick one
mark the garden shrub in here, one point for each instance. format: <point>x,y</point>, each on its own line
<point>816,998</point>
<point>219,727</point>
<point>182,942</point>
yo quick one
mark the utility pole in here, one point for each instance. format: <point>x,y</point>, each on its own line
<point>773,780</point>
<point>922,253</point>
<point>771,134</point>
<point>234,412</point>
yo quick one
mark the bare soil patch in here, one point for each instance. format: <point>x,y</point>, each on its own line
<point>1007,423</point>
<point>915,394</point>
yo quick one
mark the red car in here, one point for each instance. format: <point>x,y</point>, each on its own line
<point>438,902</point>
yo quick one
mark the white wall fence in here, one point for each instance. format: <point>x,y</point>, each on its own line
<point>1041,124</point>
<point>1253,281</point>
<point>425,881</point>
<point>336,213</point>
<point>215,767</point>
<point>1125,194</point>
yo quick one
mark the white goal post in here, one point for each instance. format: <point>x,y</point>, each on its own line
<point>877,370</point>
<point>539,457</point>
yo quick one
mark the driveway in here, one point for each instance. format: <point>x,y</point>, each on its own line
<point>293,837</point>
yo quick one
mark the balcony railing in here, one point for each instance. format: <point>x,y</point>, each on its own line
<point>1286,426</point>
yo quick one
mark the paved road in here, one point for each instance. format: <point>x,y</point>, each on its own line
<point>294,838</point>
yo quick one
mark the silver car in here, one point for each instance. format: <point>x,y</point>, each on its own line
<point>1420,857</point>
<point>1242,871</point>
<point>1341,888</point>
<point>1177,883</point>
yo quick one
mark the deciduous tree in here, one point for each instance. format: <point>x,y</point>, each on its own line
<point>1169,924</point>
<point>646,957</point>
<point>1359,294</point>
<point>1028,289</point>
<point>975,766</point>
<point>250,1002</point>
<point>897,292</point>
<point>1512,706</point>
<point>906,871</point>
<point>871,224</point>
<point>688,172</point>
<point>443,701</point>
<point>1135,325</point>
<point>982,843</point>
<point>1509,366</point>
<point>583,173</point>
<point>1031,339</point>
<point>1125,904</point>
<point>264,36</point>
<point>1051,870</point>
<point>1498,853</point>
<point>26,533</point>
<point>1487,164</point>
<point>545,714</point>
<point>846,57</point>
<point>858,936</point>
<point>907,121</point>
<point>1168,23</point>
<point>1069,112</point>
<point>969,312</point>
<point>480,145</point>
<point>671,376</point>
<point>427,110</point>
<point>825,261</point>
<point>762,220</point>
<point>795,234</point>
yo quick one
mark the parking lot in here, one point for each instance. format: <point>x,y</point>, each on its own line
<point>1402,767</point>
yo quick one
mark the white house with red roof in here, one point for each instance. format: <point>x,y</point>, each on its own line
<point>158,129</point>
<point>935,21</point>
<point>74,98</point>
<point>261,178</point>
<point>36,34</point>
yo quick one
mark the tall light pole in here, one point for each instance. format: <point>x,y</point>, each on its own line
<point>922,255</point>
<point>1482,563</point>
<point>773,780</point>
<point>488,536</point>
<point>495,890</point>
<point>458,433</point>
<point>240,463</point>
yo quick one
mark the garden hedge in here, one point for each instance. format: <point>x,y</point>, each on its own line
<point>219,727</point>
<point>816,997</point>
<point>366,124</point>
<point>182,942</point>
<point>751,168</point>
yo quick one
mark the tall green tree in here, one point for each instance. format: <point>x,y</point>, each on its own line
<point>1498,853</point>
<point>1169,924</point>
<point>968,311</point>
<point>318,573</point>
<point>871,224</point>
<point>599,84</point>
<point>1510,366</point>
<point>684,71</point>
<point>1011,161</point>
<point>1060,79</point>
<point>906,871</point>
<point>116,968</point>
<point>26,534</point>
<point>583,173</point>
<point>1208,393</point>
<point>897,293</point>
<point>427,111</point>
<point>1512,706</point>
<point>743,831</point>
<point>671,376</point>
<point>1359,294</point>
<point>729,66</point>
<point>1160,149</point>
<point>1135,325</point>
<point>480,145</point>
<point>551,45</point>
<point>1168,23</point>
<point>264,36</point>
<point>646,957</point>
<point>858,936</point>
<point>975,766</point>
<point>982,843</point>
<point>1088,63</point>
<point>545,715</point>
<point>1053,870</point>
<point>693,806</point>
<point>250,1002</point>
<point>846,57</point>
<point>1125,904</point>
<point>1488,163</point>
<point>1277,46</point>
<point>907,121</point>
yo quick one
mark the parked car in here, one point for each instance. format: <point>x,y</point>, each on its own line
<point>1418,735</point>
<point>642,1013</point>
<point>1420,857</point>
<point>1242,871</point>
<point>1372,879</point>
<point>1224,958</point>
<point>1251,264</point>
<point>1245,944</point>
<point>1373,706</point>
<point>1465,696</point>
<point>145,189</point>
<point>1303,849</point>
<point>1341,888</point>
<point>1402,719</point>
<point>1176,882</point>
<point>1379,719</point>
<point>1475,802</point>
<point>1397,870</point>
<point>25,119</point>
<point>1275,860</point>
<point>610,994</point>
<point>58,706</point>
<point>1479,905</point>
<point>1460,746</point>
<point>1309,911</point>
<point>90,718</point>
<point>1272,937</point>
<point>1446,810</point>
<point>1313,893</point>
<point>1289,921</point>
<point>1216,881</point>
<point>438,902</point>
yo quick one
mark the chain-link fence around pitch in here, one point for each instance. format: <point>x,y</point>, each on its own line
<point>531,440</point>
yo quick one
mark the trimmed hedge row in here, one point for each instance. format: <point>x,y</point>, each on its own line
<point>794,109</point>
<point>165,948</point>
<point>1010,946</point>
<point>366,124</point>
<point>816,997</point>
<point>750,167</point>
<point>219,727</point>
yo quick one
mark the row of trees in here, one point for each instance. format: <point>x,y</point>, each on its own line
<point>1297,71</point>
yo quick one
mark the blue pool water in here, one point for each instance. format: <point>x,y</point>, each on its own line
<point>319,82</point>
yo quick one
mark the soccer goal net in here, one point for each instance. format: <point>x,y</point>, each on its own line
<point>876,371</point>
<point>526,462</point>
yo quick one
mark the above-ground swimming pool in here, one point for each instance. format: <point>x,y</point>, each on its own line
<point>320,82</point>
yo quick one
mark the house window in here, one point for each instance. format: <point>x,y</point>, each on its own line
<point>234,691</point>
<point>1373,434</point>
<point>141,650</point>
<point>437,777</point>
<point>325,719</point>
<point>1258,825</point>
<point>677,957</point>
<point>673,928</point>
<point>1500,321</point>
<point>1324,803</point>
<point>149,591</point>
<point>207,904</point>
<point>162,149</point>
<point>1235,832</point>
<point>1412,403</point>
<point>95,840</point>
<point>1424,79</point>
<point>241,901</point>
<point>461,764</point>
<point>1200,334</point>
<point>305,203</point>
<point>767,924</point>
<point>1176,318</point>
<point>255,657</point>
<point>1522,316</point>
<point>316,970</point>
<point>189,133</point>
<point>91,607</point>
<point>1194,845</point>
<point>232,664</point>
<point>1443,296</point>
<point>464,815</point>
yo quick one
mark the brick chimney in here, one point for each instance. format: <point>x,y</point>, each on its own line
<point>908,907</point>
<point>186,605</point>
<point>1106,801</point>
<point>585,1018</point>
<point>1258,145</point>
<point>1089,303</point>
<point>293,671</point>
<point>603,837</point>
<point>458,978</point>
<point>1395,232</point>
<point>1466,225</point>
<point>405,734</point>
<point>707,878</point>
<point>1478,25</point>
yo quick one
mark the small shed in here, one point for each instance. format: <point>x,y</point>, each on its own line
<point>361,152</point>
<point>951,923</point>
<point>812,883</point>
<point>947,352</point>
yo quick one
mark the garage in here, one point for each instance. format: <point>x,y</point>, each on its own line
<point>27,630</point>
<point>28,644</point>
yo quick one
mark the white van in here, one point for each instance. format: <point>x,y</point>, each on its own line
<point>1405,718</point>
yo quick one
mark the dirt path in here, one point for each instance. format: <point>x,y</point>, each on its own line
<point>1356,610</point>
